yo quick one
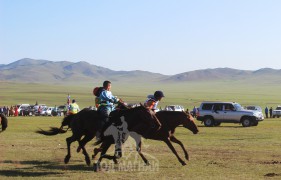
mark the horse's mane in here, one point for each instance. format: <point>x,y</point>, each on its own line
<point>171,116</point>
<point>133,109</point>
<point>171,112</point>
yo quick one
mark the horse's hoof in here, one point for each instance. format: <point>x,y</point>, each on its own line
<point>147,163</point>
<point>187,158</point>
<point>115,161</point>
<point>88,161</point>
<point>183,163</point>
<point>78,149</point>
<point>66,159</point>
<point>96,167</point>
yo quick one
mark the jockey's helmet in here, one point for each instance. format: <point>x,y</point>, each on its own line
<point>158,94</point>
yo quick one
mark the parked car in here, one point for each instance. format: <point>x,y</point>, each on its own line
<point>43,111</point>
<point>174,108</point>
<point>60,110</point>
<point>253,108</point>
<point>21,107</point>
<point>27,111</point>
<point>215,113</point>
<point>276,112</point>
<point>42,106</point>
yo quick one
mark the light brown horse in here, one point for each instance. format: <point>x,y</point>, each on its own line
<point>170,120</point>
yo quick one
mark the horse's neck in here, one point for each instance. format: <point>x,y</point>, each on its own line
<point>172,122</point>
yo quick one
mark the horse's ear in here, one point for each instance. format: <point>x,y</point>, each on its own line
<point>141,104</point>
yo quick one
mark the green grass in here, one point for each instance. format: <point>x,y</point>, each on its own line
<point>226,152</point>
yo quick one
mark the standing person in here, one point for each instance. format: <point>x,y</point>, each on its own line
<point>5,111</point>
<point>73,108</point>
<point>270,112</point>
<point>106,106</point>
<point>266,112</point>
<point>39,110</point>
<point>16,111</point>
<point>194,111</point>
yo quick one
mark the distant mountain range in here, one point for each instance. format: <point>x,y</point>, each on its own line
<point>39,71</point>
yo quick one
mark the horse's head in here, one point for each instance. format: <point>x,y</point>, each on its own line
<point>189,123</point>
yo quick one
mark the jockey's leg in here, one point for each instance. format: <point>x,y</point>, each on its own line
<point>104,117</point>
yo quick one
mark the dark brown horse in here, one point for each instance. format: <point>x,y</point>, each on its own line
<point>170,120</point>
<point>3,122</point>
<point>86,123</point>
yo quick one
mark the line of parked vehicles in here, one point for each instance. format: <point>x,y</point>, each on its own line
<point>41,110</point>
<point>210,113</point>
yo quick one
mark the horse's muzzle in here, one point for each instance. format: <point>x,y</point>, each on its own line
<point>195,132</point>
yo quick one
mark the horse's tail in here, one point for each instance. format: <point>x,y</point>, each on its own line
<point>54,130</point>
<point>4,122</point>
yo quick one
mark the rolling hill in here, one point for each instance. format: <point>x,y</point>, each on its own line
<point>45,71</point>
<point>30,70</point>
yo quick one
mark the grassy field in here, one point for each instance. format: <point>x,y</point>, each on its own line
<point>226,152</point>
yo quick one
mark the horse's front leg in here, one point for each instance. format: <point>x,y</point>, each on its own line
<point>82,143</point>
<point>69,140</point>
<point>168,142</point>
<point>175,140</point>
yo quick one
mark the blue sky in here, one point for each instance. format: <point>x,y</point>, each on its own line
<point>162,36</point>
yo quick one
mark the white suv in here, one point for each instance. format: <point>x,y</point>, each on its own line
<point>215,113</point>
<point>276,112</point>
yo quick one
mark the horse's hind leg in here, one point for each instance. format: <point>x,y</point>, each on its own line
<point>82,144</point>
<point>103,155</point>
<point>175,140</point>
<point>141,154</point>
<point>69,140</point>
<point>137,138</point>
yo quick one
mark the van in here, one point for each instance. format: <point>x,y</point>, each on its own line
<point>21,107</point>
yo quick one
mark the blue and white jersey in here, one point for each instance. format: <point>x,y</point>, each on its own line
<point>151,97</point>
<point>106,98</point>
